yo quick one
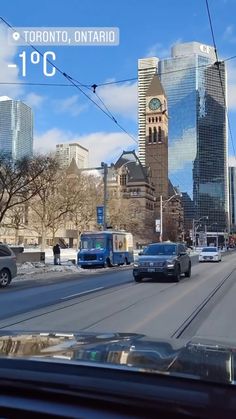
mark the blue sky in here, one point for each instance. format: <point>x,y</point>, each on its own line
<point>146,28</point>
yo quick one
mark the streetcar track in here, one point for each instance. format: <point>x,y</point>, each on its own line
<point>93,296</point>
<point>203,308</point>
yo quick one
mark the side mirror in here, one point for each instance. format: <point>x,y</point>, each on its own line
<point>140,253</point>
<point>183,253</point>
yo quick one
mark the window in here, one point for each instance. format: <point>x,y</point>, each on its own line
<point>159,118</point>
<point>123,180</point>
<point>156,119</point>
<point>149,119</point>
<point>159,135</point>
<point>155,135</point>
<point>150,135</point>
<point>4,251</point>
<point>152,119</point>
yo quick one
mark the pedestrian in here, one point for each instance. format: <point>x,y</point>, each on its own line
<point>57,254</point>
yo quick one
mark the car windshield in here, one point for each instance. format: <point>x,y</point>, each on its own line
<point>93,243</point>
<point>209,249</point>
<point>118,179</point>
<point>159,249</point>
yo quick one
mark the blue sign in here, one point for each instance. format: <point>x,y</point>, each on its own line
<point>100,215</point>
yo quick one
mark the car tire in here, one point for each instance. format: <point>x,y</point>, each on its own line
<point>5,278</point>
<point>177,274</point>
<point>188,273</point>
<point>138,278</point>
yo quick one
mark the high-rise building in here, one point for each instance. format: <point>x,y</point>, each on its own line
<point>197,158</point>
<point>232,198</point>
<point>16,128</point>
<point>66,152</point>
<point>147,67</point>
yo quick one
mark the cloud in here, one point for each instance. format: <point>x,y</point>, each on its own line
<point>33,100</point>
<point>182,151</point>
<point>229,34</point>
<point>161,51</point>
<point>8,75</point>
<point>231,71</point>
<point>120,99</point>
<point>70,105</point>
<point>102,146</point>
<point>232,161</point>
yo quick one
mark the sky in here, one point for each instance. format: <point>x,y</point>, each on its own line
<point>147,28</point>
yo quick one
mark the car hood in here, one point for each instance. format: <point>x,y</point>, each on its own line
<point>149,258</point>
<point>198,358</point>
<point>208,253</point>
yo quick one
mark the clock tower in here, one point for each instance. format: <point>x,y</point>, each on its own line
<point>156,147</point>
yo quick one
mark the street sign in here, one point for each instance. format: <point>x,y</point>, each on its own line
<point>100,215</point>
<point>158,226</point>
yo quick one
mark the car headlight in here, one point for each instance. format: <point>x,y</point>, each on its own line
<point>170,264</point>
<point>135,264</point>
<point>101,258</point>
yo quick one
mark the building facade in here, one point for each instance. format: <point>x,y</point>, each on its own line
<point>146,70</point>
<point>197,138</point>
<point>66,152</point>
<point>232,198</point>
<point>16,128</point>
<point>131,198</point>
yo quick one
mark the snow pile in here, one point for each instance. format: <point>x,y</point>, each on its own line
<point>29,268</point>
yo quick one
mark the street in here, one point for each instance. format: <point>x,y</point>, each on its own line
<point>203,305</point>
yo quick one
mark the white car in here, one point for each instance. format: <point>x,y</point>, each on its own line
<point>210,254</point>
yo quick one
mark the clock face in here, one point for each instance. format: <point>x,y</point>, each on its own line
<point>154,104</point>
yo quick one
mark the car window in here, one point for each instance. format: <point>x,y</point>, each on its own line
<point>209,249</point>
<point>160,249</point>
<point>4,251</point>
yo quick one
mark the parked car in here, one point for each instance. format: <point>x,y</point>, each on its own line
<point>168,259</point>
<point>210,254</point>
<point>8,268</point>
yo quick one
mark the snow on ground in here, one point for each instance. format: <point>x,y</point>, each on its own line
<point>38,270</point>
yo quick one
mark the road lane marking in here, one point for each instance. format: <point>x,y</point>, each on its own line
<point>82,293</point>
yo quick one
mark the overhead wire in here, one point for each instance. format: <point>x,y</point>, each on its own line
<point>220,75</point>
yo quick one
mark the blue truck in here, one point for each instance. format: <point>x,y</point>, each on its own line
<point>105,249</point>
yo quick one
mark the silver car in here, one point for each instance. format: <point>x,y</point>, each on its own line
<point>8,268</point>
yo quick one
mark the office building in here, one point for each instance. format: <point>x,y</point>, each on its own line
<point>147,67</point>
<point>66,152</point>
<point>197,137</point>
<point>16,128</point>
<point>232,198</point>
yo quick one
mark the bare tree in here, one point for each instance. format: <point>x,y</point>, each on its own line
<point>21,180</point>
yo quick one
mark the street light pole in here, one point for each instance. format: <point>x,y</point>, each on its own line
<point>161,217</point>
<point>105,172</point>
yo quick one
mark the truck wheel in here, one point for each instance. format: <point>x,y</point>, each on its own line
<point>108,263</point>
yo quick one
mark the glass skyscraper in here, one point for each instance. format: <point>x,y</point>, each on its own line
<point>16,128</point>
<point>197,130</point>
<point>232,198</point>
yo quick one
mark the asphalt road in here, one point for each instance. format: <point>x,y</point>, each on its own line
<point>203,305</point>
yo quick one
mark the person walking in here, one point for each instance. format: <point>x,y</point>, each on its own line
<point>57,254</point>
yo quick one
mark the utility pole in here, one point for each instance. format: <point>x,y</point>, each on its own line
<point>105,172</point>
<point>161,218</point>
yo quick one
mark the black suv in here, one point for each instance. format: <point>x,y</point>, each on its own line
<point>169,259</point>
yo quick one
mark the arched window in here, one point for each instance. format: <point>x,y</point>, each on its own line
<point>156,119</point>
<point>155,135</point>
<point>159,135</point>
<point>152,119</point>
<point>149,120</point>
<point>159,118</point>
<point>150,135</point>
